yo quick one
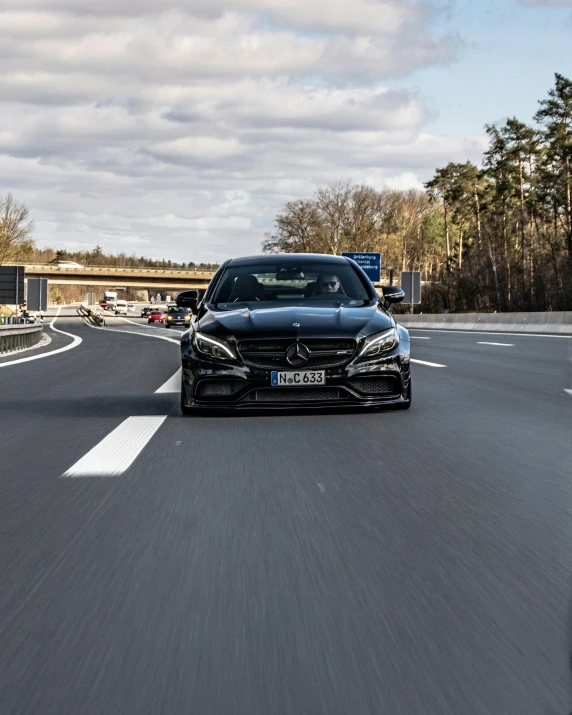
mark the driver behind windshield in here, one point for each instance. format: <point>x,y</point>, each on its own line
<point>329,283</point>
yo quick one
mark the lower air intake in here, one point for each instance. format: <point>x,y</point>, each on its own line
<point>375,386</point>
<point>218,388</point>
<point>277,394</point>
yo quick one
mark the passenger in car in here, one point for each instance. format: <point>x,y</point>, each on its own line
<point>246,288</point>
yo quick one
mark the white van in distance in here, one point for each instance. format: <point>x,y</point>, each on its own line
<point>120,307</point>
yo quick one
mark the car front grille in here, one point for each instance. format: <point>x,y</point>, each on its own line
<point>270,354</point>
<point>378,386</point>
<point>277,394</point>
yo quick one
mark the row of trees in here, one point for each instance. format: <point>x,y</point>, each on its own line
<point>97,257</point>
<point>498,237</point>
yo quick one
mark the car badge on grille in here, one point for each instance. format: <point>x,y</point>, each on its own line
<point>298,355</point>
<point>296,325</point>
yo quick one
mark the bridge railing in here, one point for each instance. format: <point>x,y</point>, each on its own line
<point>86,270</point>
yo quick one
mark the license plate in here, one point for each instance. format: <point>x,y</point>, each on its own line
<point>299,378</point>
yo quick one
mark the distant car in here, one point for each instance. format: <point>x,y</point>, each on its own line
<point>177,316</point>
<point>68,264</point>
<point>156,316</point>
<point>130,308</point>
<point>145,312</point>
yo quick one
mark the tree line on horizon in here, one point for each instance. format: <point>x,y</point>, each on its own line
<point>491,238</point>
<point>97,257</point>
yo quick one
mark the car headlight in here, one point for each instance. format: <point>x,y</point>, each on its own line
<point>170,317</point>
<point>380,343</point>
<point>218,349</point>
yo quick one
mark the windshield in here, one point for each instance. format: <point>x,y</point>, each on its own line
<point>176,309</point>
<point>291,284</point>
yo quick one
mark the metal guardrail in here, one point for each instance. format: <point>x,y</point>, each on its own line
<point>13,338</point>
<point>91,315</point>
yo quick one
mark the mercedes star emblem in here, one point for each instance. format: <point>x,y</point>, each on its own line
<point>298,355</point>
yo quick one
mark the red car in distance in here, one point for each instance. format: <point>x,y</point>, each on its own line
<point>156,316</point>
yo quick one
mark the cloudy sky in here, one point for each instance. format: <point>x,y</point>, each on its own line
<point>178,128</point>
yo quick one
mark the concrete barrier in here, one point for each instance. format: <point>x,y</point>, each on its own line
<point>556,323</point>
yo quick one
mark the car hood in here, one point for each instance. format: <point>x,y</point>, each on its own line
<point>296,322</point>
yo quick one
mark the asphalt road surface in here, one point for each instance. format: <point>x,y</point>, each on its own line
<point>399,563</point>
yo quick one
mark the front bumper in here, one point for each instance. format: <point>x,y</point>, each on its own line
<point>213,385</point>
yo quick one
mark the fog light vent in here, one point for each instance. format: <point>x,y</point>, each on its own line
<point>218,388</point>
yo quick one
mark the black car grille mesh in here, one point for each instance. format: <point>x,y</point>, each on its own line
<point>277,394</point>
<point>271,354</point>
<point>385,385</point>
<point>218,388</point>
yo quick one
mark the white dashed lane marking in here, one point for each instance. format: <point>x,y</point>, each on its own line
<point>428,364</point>
<point>500,345</point>
<point>418,337</point>
<point>116,453</point>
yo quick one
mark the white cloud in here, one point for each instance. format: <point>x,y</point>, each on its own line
<point>179,128</point>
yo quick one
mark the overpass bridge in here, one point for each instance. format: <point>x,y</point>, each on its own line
<point>110,276</point>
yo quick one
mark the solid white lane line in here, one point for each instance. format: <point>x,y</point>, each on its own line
<point>173,384</point>
<point>495,332</point>
<point>502,345</point>
<point>429,364</point>
<point>116,453</point>
<point>76,340</point>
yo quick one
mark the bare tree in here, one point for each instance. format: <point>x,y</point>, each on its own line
<point>333,203</point>
<point>15,229</point>
<point>297,230</point>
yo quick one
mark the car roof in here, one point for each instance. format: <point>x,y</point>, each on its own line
<point>286,258</point>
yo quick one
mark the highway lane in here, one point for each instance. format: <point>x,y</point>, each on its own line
<point>541,365</point>
<point>412,562</point>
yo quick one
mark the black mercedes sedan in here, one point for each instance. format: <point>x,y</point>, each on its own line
<point>292,331</point>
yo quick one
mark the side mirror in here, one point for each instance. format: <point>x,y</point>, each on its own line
<point>392,294</point>
<point>188,299</point>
